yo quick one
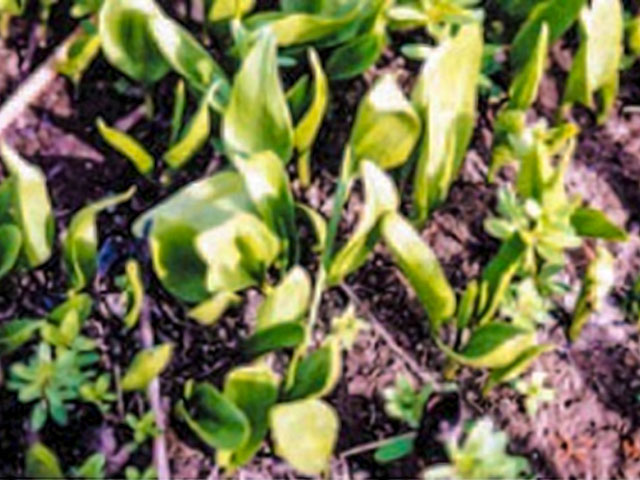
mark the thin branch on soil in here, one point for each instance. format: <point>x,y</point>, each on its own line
<point>34,85</point>
<point>367,447</point>
<point>160,459</point>
<point>127,122</point>
<point>382,332</point>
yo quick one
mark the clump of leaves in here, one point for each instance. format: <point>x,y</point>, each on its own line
<point>482,453</point>
<point>404,402</point>
<point>42,462</point>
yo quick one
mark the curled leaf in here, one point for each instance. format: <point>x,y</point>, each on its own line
<point>210,311</point>
<point>79,56</point>
<point>16,333</point>
<point>135,293</point>
<point>128,146</point>
<point>287,302</point>
<point>305,434</point>
<point>421,267</point>
<point>41,462</point>
<point>10,246</point>
<point>214,418</point>
<point>317,374</point>
<point>517,368</point>
<point>146,365</point>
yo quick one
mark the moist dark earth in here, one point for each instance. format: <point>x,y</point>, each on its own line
<point>590,430</point>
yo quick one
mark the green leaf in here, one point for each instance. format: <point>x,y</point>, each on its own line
<point>214,418</point>
<point>495,345</point>
<point>254,390</point>
<point>305,434</point>
<point>127,42</point>
<point>195,135</point>
<point>227,9</point>
<point>179,104</point>
<point>211,310</point>
<point>128,146</point>
<point>287,302</point>
<point>357,55</point>
<point>207,238</point>
<point>257,117</point>
<point>277,337</point>
<point>93,467</point>
<point>79,56</point>
<point>559,15</point>
<point>186,56</point>
<point>79,303</point>
<point>81,241</point>
<point>394,449</point>
<point>10,245</point>
<point>318,225</point>
<point>41,462</point>
<point>317,374</point>
<point>135,290</point>
<point>590,222</point>
<point>498,274</point>
<point>16,333</point>
<point>308,126</point>
<point>445,96</point>
<point>267,183</point>
<point>524,87</point>
<point>597,61</point>
<point>517,368</point>
<point>421,267</point>
<point>386,127</point>
<point>468,303</point>
<point>381,196</point>
<point>146,365</point>
<point>31,206</point>
<point>598,281</point>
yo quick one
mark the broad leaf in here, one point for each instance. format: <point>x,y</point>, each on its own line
<point>214,418</point>
<point>207,238</point>
<point>394,449</point>
<point>257,117</point>
<point>381,196</point>
<point>357,55</point>
<point>41,462</point>
<point>287,302</point>
<point>146,365</point>
<point>421,267</point>
<point>79,56</point>
<point>79,303</point>
<point>305,434</point>
<point>518,367</point>
<point>127,42</point>
<point>597,61</point>
<point>220,10</point>
<point>495,345</point>
<point>276,337</point>
<point>590,222</point>
<point>254,390</point>
<point>128,146</point>
<point>386,127</point>
<point>81,240</point>
<point>317,374</point>
<point>445,96</point>
<point>30,206</point>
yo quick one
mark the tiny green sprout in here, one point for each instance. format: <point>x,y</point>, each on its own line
<point>534,391</point>
<point>347,326</point>
<point>482,454</point>
<point>144,428</point>
<point>404,402</point>
<point>133,473</point>
<point>98,392</point>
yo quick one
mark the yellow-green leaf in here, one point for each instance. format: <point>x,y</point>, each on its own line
<point>421,267</point>
<point>445,96</point>
<point>257,117</point>
<point>597,61</point>
<point>135,293</point>
<point>227,9</point>
<point>16,333</point>
<point>128,146</point>
<point>30,206</point>
<point>10,245</point>
<point>518,367</point>
<point>211,310</point>
<point>386,127</point>
<point>79,56</point>
<point>146,365</point>
<point>305,434</point>
<point>127,42</point>
<point>287,302</point>
<point>524,88</point>
<point>589,222</point>
<point>317,374</point>
<point>41,462</point>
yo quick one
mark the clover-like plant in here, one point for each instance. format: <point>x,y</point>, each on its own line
<point>534,391</point>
